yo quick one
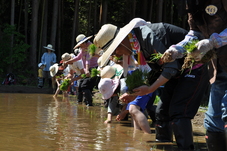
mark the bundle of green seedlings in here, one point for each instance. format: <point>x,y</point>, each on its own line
<point>65,84</point>
<point>136,79</point>
<point>189,61</point>
<point>83,76</point>
<point>156,58</point>
<point>91,49</point>
<point>94,72</point>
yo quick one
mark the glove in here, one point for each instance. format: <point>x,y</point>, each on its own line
<point>203,46</point>
<point>174,52</point>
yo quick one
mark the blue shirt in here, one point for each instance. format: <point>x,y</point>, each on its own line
<point>48,59</point>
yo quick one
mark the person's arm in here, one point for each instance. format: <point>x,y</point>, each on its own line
<point>215,41</point>
<point>143,90</point>
<point>87,63</point>
<point>70,75</point>
<point>177,51</point>
<point>79,76</point>
<point>122,115</point>
<point>219,40</point>
<point>76,58</point>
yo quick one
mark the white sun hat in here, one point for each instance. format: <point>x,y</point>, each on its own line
<point>81,39</point>
<point>110,38</point>
<point>107,87</point>
<point>49,46</point>
<point>113,72</point>
<point>53,69</point>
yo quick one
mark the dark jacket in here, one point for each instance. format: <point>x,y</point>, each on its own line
<point>200,20</point>
<point>158,37</point>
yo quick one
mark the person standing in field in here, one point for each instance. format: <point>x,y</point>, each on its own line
<point>49,58</point>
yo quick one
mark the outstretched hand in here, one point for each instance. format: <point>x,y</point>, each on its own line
<point>121,116</point>
<point>142,90</point>
<point>126,97</point>
<point>174,52</point>
<point>203,46</point>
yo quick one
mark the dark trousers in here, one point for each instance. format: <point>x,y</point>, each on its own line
<point>179,103</point>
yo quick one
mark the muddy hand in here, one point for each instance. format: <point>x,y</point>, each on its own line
<point>167,57</point>
<point>171,54</point>
<point>126,97</point>
<point>203,46</point>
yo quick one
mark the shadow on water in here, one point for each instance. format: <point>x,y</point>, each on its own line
<point>38,122</point>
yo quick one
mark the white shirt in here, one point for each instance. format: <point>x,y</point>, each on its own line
<point>66,71</point>
<point>77,66</point>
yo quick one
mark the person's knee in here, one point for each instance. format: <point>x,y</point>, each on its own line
<point>133,109</point>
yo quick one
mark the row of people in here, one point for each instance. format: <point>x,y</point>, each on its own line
<point>110,78</point>
<point>141,39</point>
<point>183,88</point>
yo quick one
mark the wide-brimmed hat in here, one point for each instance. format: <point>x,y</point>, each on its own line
<point>66,56</point>
<point>49,46</point>
<point>105,35</point>
<point>107,87</point>
<point>115,37</point>
<point>53,69</point>
<point>113,72</point>
<point>81,39</point>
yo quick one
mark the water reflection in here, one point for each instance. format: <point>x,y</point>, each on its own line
<point>39,122</point>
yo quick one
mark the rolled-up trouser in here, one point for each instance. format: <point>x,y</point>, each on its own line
<point>113,106</point>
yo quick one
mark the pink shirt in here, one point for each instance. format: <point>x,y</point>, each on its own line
<point>87,59</point>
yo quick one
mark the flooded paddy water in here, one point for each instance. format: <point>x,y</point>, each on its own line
<point>38,122</point>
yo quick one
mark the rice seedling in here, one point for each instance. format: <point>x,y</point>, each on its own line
<point>136,79</point>
<point>189,61</point>
<point>94,72</point>
<point>83,75</point>
<point>155,57</point>
<point>91,49</point>
<point>65,84</point>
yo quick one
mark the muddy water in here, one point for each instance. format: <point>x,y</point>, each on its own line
<point>38,122</point>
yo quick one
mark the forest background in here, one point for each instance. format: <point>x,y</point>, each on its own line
<point>28,25</point>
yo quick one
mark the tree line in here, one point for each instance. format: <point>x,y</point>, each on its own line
<point>28,25</point>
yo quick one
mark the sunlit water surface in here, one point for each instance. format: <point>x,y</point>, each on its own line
<point>38,122</point>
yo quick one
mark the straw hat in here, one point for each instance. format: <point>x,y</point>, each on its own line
<point>114,39</point>
<point>107,87</point>
<point>81,39</point>
<point>105,36</point>
<point>53,69</point>
<point>66,56</point>
<point>113,72</point>
<point>49,46</point>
